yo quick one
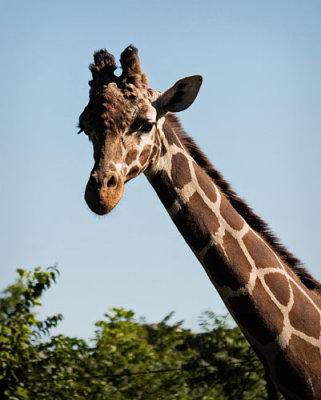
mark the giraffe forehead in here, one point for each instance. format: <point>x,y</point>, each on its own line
<point>122,105</point>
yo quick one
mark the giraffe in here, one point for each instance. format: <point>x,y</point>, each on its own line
<point>273,299</point>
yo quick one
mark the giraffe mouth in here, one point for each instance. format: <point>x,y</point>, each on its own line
<point>101,198</point>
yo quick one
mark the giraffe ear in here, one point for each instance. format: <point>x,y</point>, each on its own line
<point>180,96</point>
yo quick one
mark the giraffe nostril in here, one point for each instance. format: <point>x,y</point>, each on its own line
<point>111,181</point>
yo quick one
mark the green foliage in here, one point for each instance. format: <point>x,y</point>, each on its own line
<point>234,371</point>
<point>20,330</point>
<point>124,346</point>
<point>126,359</point>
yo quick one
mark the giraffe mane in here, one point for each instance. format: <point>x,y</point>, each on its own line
<point>254,221</point>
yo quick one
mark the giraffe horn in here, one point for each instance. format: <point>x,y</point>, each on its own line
<point>103,67</point>
<point>132,71</point>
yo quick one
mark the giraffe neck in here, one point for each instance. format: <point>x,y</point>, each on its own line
<point>278,314</point>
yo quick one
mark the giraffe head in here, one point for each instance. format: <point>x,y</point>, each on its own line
<point>121,121</point>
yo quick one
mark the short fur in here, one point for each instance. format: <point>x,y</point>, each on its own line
<point>254,221</point>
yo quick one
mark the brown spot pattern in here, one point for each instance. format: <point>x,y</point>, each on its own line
<point>279,286</point>
<point>239,267</point>
<point>163,150</point>
<point>133,171</point>
<point>144,155</point>
<point>260,251</point>
<point>131,156</point>
<point>205,184</point>
<point>153,153</point>
<point>236,272</point>
<point>119,151</point>
<point>218,269</point>
<point>196,222</point>
<point>180,172</point>
<point>164,188</point>
<point>303,316</point>
<point>297,365</point>
<point>257,314</point>
<point>124,170</point>
<point>171,135</point>
<point>230,215</point>
<point>315,296</point>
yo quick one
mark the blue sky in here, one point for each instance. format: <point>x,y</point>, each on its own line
<point>257,118</point>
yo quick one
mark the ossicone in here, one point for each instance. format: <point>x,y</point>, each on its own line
<point>103,67</point>
<point>132,71</point>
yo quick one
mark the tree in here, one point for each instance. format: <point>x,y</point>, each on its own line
<point>126,359</point>
<point>234,371</point>
<point>20,330</point>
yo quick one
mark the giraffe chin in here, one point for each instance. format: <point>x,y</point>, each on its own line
<point>102,201</point>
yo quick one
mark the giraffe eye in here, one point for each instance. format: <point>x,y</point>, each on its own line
<point>147,127</point>
<point>141,126</point>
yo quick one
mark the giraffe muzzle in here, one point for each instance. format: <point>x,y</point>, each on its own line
<point>104,192</point>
